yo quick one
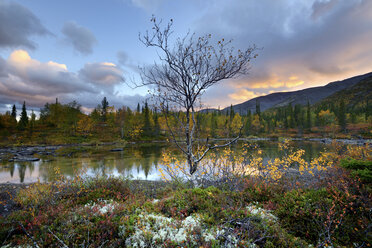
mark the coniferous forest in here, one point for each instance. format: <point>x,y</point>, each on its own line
<point>68,124</point>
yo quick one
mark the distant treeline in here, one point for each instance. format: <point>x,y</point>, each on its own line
<point>67,123</point>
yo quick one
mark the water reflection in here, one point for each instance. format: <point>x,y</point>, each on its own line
<point>134,161</point>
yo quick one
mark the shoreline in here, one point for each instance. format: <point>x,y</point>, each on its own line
<point>31,153</point>
<point>323,140</point>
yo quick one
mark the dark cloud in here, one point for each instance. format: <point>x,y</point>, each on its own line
<point>81,38</point>
<point>17,25</point>
<point>313,41</point>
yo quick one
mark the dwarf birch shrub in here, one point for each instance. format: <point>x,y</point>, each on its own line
<point>230,167</point>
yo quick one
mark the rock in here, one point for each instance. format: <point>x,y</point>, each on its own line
<point>116,150</point>
<point>24,159</point>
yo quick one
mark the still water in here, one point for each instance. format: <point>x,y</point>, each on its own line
<point>135,161</point>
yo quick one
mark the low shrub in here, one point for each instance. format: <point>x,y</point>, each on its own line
<point>359,168</point>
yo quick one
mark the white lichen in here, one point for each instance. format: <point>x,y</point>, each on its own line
<point>153,230</point>
<point>261,213</point>
<point>102,207</point>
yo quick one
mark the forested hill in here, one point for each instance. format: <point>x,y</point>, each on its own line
<point>354,97</point>
<point>313,95</point>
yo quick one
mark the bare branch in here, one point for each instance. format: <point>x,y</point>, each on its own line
<point>185,71</point>
<point>220,146</point>
<point>62,243</point>
<point>28,235</point>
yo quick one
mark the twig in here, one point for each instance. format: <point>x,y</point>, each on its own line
<point>102,245</point>
<point>28,235</point>
<point>64,245</point>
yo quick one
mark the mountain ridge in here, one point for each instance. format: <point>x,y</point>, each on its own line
<point>280,99</point>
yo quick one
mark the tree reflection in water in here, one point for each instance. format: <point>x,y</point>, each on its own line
<point>139,161</point>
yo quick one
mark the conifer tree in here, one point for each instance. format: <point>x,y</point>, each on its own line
<point>290,115</point>
<point>248,123</point>
<point>24,118</point>
<point>213,124</point>
<point>156,124</point>
<point>146,124</point>
<point>308,115</point>
<point>258,108</point>
<point>32,121</point>
<point>105,105</point>
<point>14,112</point>
<point>232,113</point>
<point>342,116</point>
<point>368,108</point>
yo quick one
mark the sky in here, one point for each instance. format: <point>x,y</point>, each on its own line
<point>88,49</point>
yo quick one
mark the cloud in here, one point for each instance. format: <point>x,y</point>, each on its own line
<point>3,72</point>
<point>123,57</point>
<point>273,82</point>
<point>244,95</point>
<point>320,8</point>
<point>148,5</point>
<point>102,74</point>
<point>91,100</point>
<point>23,78</point>
<point>319,41</point>
<point>17,25</point>
<point>81,38</point>
<point>126,62</point>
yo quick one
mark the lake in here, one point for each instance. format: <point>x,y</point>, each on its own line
<point>138,161</point>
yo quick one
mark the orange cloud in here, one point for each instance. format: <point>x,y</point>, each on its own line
<point>273,82</point>
<point>294,84</point>
<point>244,95</point>
<point>21,59</point>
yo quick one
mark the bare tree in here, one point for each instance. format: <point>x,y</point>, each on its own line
<point>186,69</point>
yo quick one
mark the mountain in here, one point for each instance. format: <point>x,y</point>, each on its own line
<point>313,95</point>
<point>354,97</point>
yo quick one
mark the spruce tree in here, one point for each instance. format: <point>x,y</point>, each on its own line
<point>105,105</point>
<point>258,108</point>
<point>308,115</point>
<point>24,118</point>
<point>156,124</point>
<point>147,124</point>
<point>232,113</point>
<point>214,124</point>
<point>367,112</point>
<point>248,123</point>
<point>14,112</point>
<point>342,116</point>
<point>291,115</point>
<point>32,122</point>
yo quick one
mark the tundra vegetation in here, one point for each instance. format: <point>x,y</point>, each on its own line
<point>241,201</point>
